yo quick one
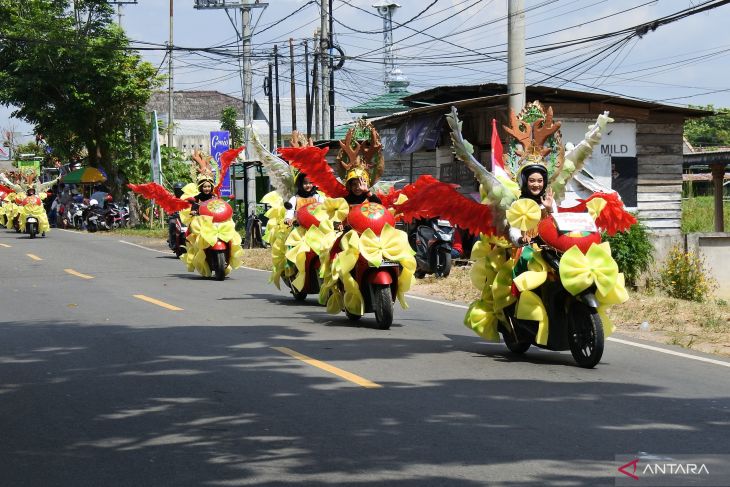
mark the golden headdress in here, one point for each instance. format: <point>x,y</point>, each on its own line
<point>203,171</point>
<point>537,141</point>
<point>364,159</point>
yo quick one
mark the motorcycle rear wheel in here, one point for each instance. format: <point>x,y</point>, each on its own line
<point>586,335</point>
<point>383,306</point>
<point>31,230</point>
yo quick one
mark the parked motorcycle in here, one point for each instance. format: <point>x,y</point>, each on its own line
<point>432,242</point>
<point>177,234</point>
<point>575,324</point>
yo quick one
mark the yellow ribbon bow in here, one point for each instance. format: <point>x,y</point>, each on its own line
<point>480,318</point>
<point>580,271</point>
<point>524,214</point>
<point>530,307</point>
<point>336,209</point>
<point>208,233</point>
<point>392,244</point>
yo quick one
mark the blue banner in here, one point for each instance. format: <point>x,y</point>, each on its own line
<point>219,143</point>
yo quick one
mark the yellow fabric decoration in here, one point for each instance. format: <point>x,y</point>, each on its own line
<point>608,326</point>
<point>36,211</point>
<point>578,272</point>
<point>297,249</point>
<point>336,208</point>
<point>273,199</point>
<point>595,207</point>
<point>482,320</point>
<point>618,293</point>
<point>530,307</point>
<point>502,287</point>
<point>529,280</point>
<point>524,214</point>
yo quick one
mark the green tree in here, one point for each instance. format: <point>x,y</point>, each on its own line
<point>228,122</point>
<point>69,70</point>
<point>712,131</point>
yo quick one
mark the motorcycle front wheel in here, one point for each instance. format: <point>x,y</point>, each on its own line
<point>383,306</point>
<point>444,269</point>
<point>32,230</point>
<point>219,262</point>
<point>586,335</point>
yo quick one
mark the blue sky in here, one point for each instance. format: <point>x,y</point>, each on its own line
<point>685,62</point>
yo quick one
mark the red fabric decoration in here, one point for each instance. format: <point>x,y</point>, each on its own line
<point>430,198</point>
<point>5,189</point>
<point>613,218</point>
<point>227,159</point>
<point>311,161</point>
<point>153,191</point>
<point>549,233</point>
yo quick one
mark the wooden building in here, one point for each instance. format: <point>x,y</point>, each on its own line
<point>640,155</point>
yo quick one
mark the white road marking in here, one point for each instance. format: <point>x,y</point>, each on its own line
<point>143,247</point>
<point>612,339</point>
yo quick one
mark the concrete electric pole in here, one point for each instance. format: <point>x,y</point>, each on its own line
<point>120,4</point>
<point>516,54</point>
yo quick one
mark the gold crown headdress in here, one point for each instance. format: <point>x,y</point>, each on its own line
<point>361,160</point>
<point>537,140</point>
<point>203,171</point>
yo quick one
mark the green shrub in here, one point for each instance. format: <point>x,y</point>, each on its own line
<point>632,251</point>
<point>684,276</point>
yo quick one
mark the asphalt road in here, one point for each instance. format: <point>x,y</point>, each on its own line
<point>102,388</point>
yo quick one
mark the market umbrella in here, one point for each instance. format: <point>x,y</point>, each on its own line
<point>85,175</point>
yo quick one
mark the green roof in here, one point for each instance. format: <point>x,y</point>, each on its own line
<point>389,101</point>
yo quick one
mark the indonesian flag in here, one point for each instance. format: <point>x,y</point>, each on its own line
<point>497,163</point>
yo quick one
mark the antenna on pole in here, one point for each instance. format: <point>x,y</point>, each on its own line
<point>385,9</point>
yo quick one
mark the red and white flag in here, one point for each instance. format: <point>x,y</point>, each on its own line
<point>497,163</point>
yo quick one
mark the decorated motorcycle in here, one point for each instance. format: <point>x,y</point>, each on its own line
<point>301,221</point>
<point>213,246</point>
<point>371,264</point>
<point>545,277</point>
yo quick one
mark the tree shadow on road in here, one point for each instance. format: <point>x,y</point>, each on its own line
<point>217,405</point>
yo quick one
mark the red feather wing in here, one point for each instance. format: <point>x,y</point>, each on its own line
<point>5,189</point>
<point>153,191</point>
<point>227,159</point>
<point>430,198</point>
<point>311,161</point>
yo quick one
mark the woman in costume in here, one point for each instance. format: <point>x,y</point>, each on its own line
<point>368,265</point>
<point>301,231</point>
<point>213,246</point>
<point>541,284</point>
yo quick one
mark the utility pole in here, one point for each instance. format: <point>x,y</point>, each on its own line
<point>385,9</point>
<point>315,85</point>
<point>306,88</point>
<point>516,54</point>
<point>119,4</point>
<point>332,73</point>
<point>325,59</point>
<point>293,89</point>
<point>278,104</point>
<point>170,118</point>
<point>268,82</point>
<point>245,6</point>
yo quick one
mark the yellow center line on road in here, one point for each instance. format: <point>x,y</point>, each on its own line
<point>33,256</point>
<point>328,368</point>
<point>78,274</point>
<point>5,245</point>
<point>157,302</point>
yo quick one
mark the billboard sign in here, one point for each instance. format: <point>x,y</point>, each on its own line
<point>219,143</point>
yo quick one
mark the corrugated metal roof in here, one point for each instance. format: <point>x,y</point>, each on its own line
<point>388,101</point>
<point>546,94</point>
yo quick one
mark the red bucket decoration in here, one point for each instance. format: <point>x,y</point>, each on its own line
<point>369,215</point>
<point>306,217</point>
<point>216,208</point>
<point>550,234</point>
